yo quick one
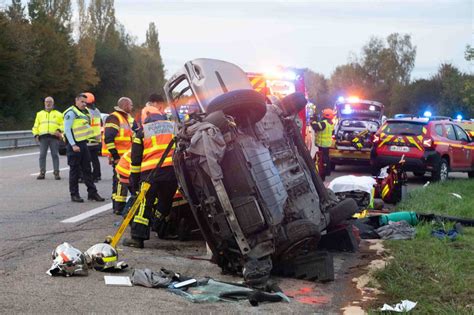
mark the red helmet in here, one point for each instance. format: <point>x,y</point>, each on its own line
<point>328,113</point>
<point>90,98</point>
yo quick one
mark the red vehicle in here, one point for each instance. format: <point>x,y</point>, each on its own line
<point>429,145</point>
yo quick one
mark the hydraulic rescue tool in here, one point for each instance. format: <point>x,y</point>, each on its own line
<point>113,240</point>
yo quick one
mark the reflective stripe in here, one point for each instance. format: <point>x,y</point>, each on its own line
<point>122,141</point>
<point>135,168</point>
<point>109,259</point>
<point>412,141</point>
<point>81,128</point>
<point>119,198</point>
<point>324,137</point>
<point>385,191</point>
<point>385,141</point>
<point>137,140</point>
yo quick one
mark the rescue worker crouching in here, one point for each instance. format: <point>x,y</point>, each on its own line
<point>77,130</point>
<point>323,137</point>
<point>117,140</point>
<point>148,147</point>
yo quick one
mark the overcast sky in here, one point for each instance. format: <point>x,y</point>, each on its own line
<point>316,34</point>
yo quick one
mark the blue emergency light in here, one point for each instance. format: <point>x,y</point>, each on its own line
<point>427,114</point>
<point>347,109</point>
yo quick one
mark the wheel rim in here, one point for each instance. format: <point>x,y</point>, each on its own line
<point>444,171</point>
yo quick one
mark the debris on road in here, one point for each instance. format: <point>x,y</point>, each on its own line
<point>401,230</point>
<point>404,306</point>
<point>118,281</point>
<point>103,257</point>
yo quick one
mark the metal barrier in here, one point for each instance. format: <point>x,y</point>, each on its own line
<point>16,139</point>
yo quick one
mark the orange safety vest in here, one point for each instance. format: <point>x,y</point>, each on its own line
<point>123,140</point>
<point>155,141</point>
<point>123,167</point>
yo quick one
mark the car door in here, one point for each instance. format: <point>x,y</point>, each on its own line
<point>462,136</point>
<point>456,154</point>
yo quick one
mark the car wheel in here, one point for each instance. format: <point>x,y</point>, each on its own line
<point>246,106</point>
<point>419,174</point>
<point>441,173</point>
<point>297,231</point>
<point>293,103</point>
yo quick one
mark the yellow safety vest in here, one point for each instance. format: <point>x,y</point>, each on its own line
<point>47,122</point>
<point>81,128</point>
<point>95,119</point>
<point>323,137</point>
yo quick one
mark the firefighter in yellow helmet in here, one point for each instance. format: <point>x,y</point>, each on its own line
<point>323,138</point>
<point>47,131</point>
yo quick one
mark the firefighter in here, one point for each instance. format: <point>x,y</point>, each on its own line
<point>94,143</point>
<point>118,140</point>
<point>47,131</point>
<point>77,130</point>
<point>323,137</point>
<point>147,149</point>
<point>123,175</point>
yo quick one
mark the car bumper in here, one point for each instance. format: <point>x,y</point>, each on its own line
<point>426,163</point>
<point>349,156</point>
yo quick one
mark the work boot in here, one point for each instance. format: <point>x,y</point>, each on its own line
<point>76,198</point>
<point>41,175</point>
<point>95,196</point>
<point>133,242</point>
<point>56,175</point>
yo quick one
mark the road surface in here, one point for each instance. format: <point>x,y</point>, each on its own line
<point>36,216</point>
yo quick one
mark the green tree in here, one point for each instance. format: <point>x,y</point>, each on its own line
<point>469,53</point>
<point>318,89</point>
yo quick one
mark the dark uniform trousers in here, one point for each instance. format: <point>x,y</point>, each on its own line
<point>78,161</point>
<point>94,151</point>
<point>119,193</point>
<point>164,190</point>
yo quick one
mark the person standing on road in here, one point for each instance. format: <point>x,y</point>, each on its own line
<point>323,138</point>
<point>78,130</point>
<point>94,143</point>
<point>47,131</point>
<point>148,147</point>
<point>118,140</point>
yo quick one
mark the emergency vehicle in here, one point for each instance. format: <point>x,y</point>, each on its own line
<point>436,145</point>
<point>355,124</point>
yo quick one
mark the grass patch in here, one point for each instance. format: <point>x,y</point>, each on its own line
<point>438,274</point>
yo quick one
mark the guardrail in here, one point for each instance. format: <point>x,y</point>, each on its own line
<point>16,139</point>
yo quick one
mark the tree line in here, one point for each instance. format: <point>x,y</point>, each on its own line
<point>382,73</point>
<point>42,52</point>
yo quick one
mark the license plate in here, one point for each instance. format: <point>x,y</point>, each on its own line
<point>399,149</point>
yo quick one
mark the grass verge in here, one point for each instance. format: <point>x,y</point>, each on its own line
<point>438,274</point>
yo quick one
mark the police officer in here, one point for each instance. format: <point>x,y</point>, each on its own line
<point>323,138</point>
<point>148,147</point>
<point>118,140</point>
<point>78,131</point>
<point>47,131</point>
<point>94,143</point>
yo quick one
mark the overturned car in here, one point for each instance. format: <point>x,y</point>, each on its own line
<point>243,167</point>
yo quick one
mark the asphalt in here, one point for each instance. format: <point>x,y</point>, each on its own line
<point>31,215</point>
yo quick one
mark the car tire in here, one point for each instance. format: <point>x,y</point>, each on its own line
<point>292,104</point>
<point>441,173</point>
<point>419,174</point>
<point>297,231</point>
<point>246,106</point>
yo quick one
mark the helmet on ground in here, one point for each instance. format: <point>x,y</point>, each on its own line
<point>103,256</point>
<point>328,113</point>
<point>68,261</point>
<point>90,98</point>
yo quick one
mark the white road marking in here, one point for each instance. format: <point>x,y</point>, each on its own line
<point>17,155</point>
<point>61,169</point>
<point>88,214</point>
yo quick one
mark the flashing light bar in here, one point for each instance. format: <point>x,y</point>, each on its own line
<point>459,117</point>
<point>347,109</point>
<point>427,114</point>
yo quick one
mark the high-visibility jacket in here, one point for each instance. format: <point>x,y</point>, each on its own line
<point>48,122</point>
<point>323,137</point>
<point>123,140</point>
<point>81,128</point>
<point>123,167</point>
<point>95,119</point>
<point>154,145</point>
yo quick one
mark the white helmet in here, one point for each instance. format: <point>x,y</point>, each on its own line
<point>67,261</point>
<point>103,256</point>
